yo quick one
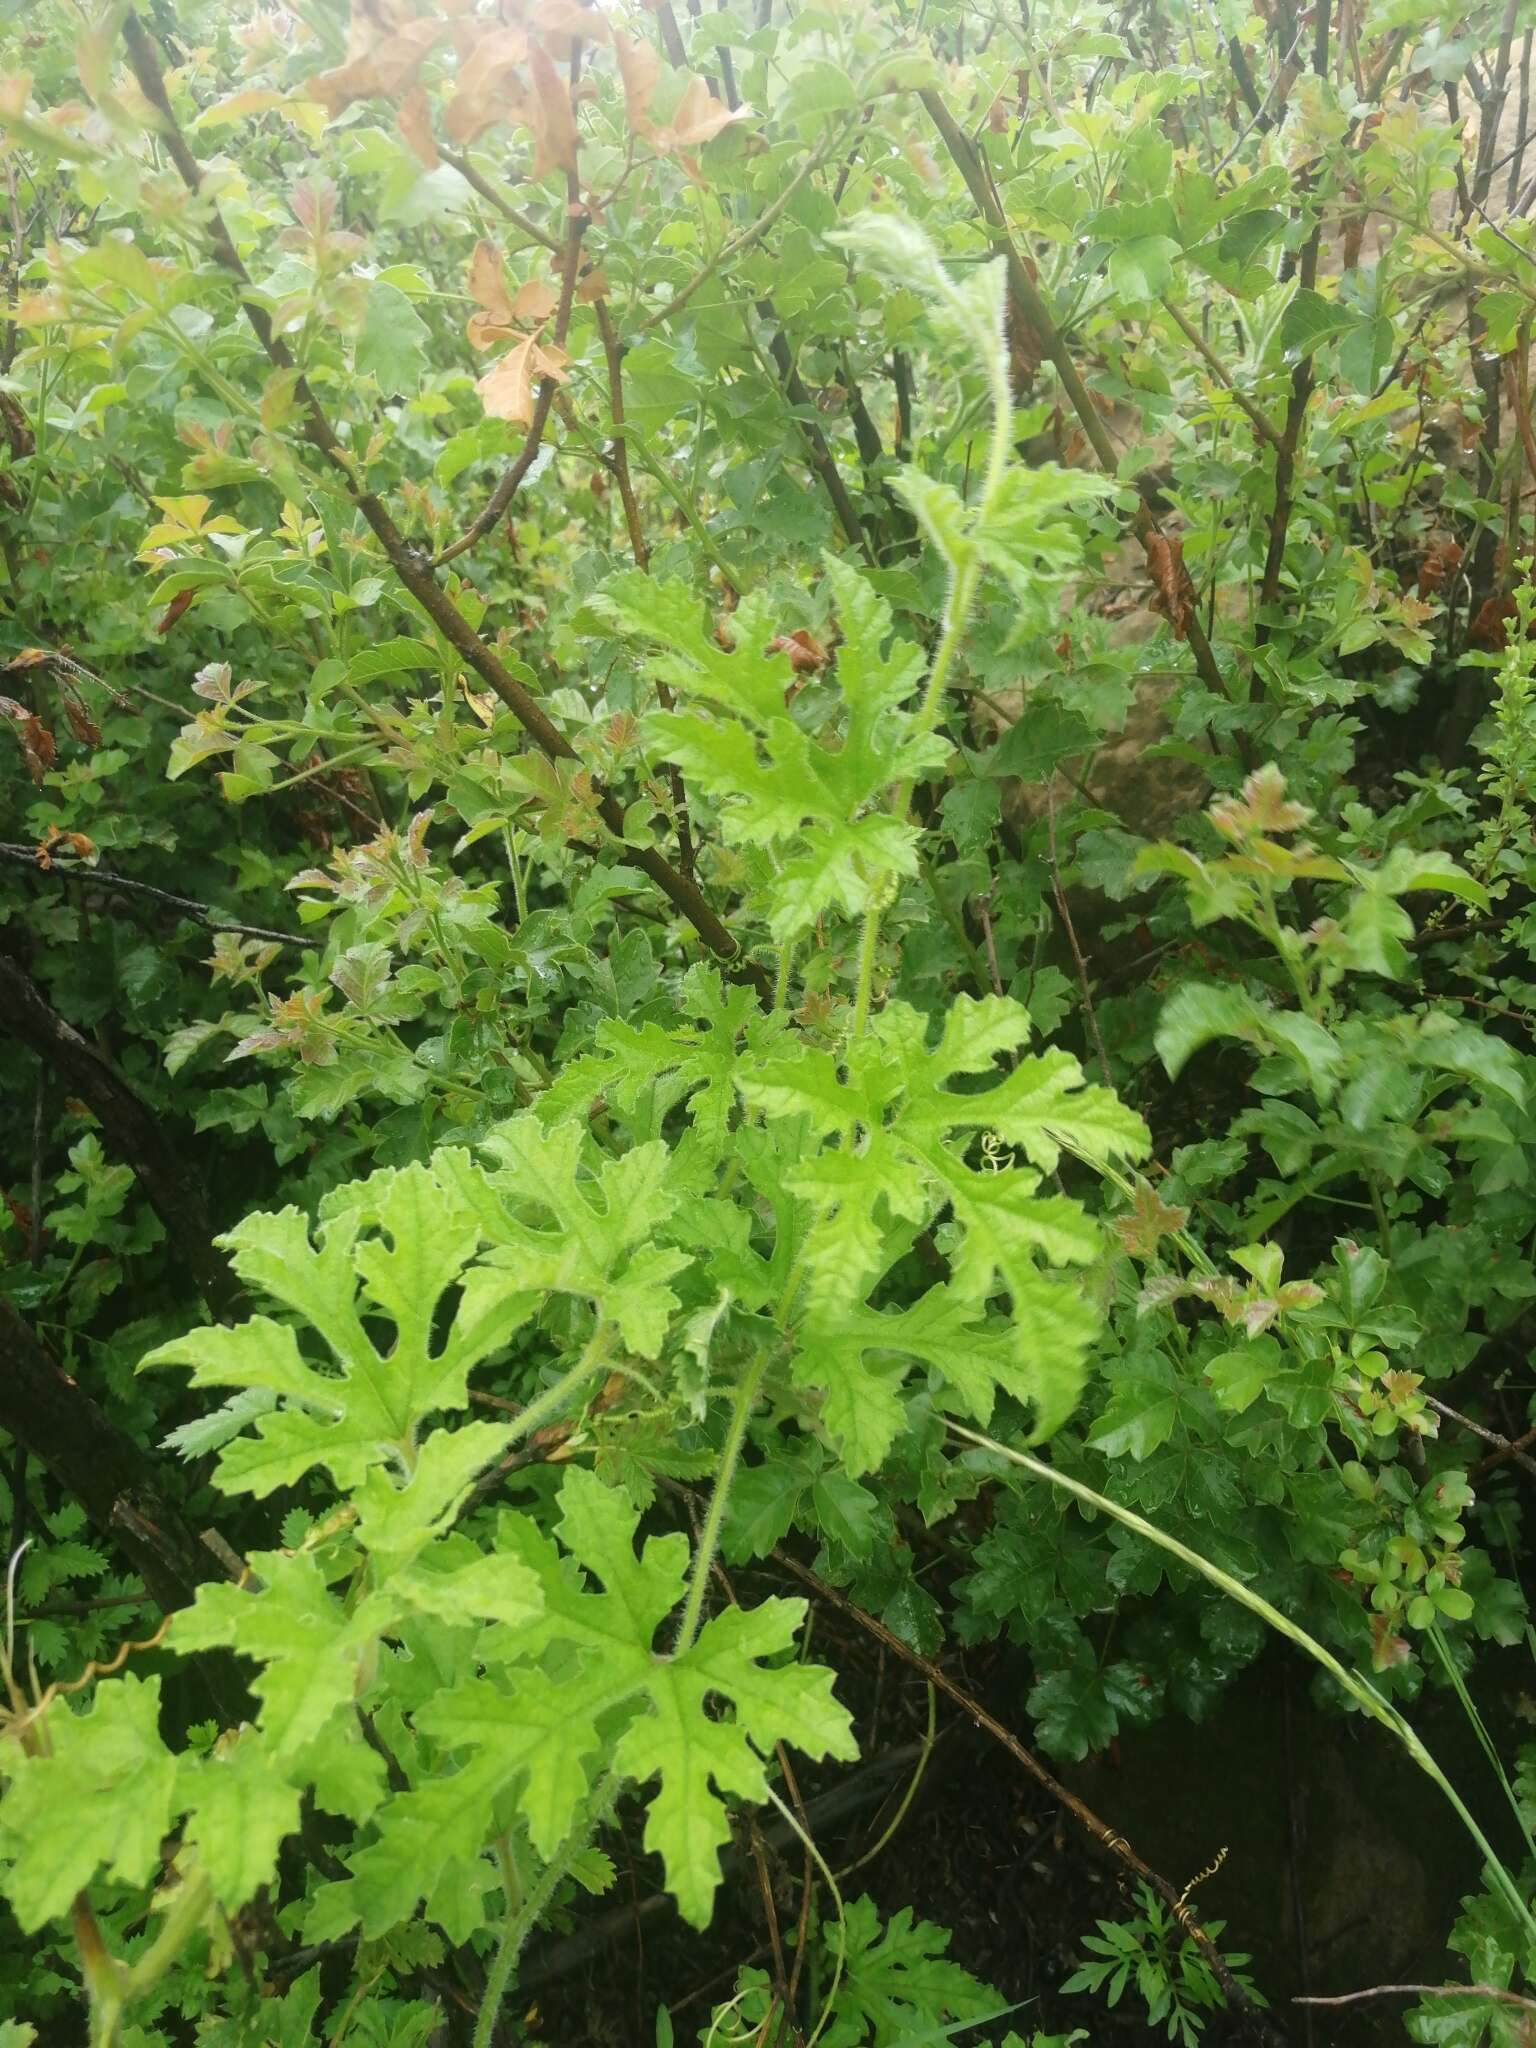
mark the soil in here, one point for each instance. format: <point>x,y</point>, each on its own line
<point>1310,1806</point>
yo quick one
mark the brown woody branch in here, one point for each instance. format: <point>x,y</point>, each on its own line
<point>1106,1837</point>
<point>496,505</point>
<point>410,564</point>
<point>488,192</point>
<point>1303,378</point>
<point>115,1481</point>
<point>104,878</point>
<point>1037,315</point>
<point>1261,424</point>
<point>818,453</point>
<point>133,1132</point>
<point>617,460</point>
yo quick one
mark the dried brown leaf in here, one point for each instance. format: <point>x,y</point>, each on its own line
<point>32,736</point>
<point>1175,593</point>
<point>550,115</point>
<point>77,713</point>
<point>696,119</point>
<point>413,118</point>
<point>490,88</point>
<point>507,388</point>
<point>54,840</point>
<point>639,68</point>
<point>386,48</point>
<point>805,651</point>
<point>563,23</point>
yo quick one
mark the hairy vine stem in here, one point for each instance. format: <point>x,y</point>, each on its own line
<point>709,1535</point>
<point>522,1920</point>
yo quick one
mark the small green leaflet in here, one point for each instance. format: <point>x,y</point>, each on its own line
<point>391,344</point>
<point>643,1070</point>
<point>241,1812</point>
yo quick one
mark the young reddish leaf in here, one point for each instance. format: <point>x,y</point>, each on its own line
<point>1263,807</point>
<point>1150,1220</point>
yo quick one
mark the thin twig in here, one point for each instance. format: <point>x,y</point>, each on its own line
<point>1062,911</point>
<point>499,200</point>
<point>1037,317</point>
<point>1261,426</point>
<point>205,914</point>
<point>617,460</point>
<point>748,236</point>
<point>39,1109</point>
<point>496,505</point>
<point>1237,1998</point>
<point>1492,1991</point>
<point>1501,1444</point>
